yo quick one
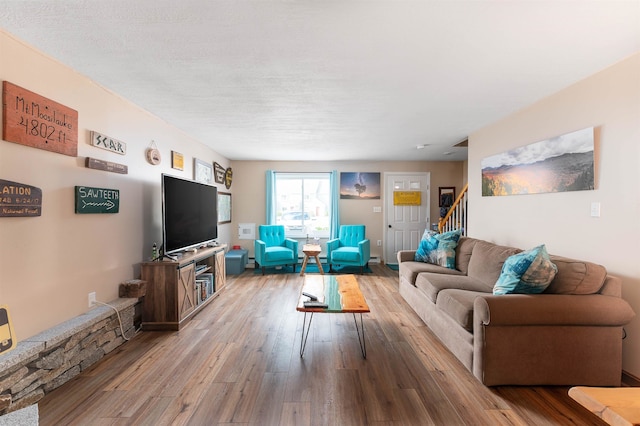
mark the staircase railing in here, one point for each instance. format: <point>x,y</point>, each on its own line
<point>456,217</point>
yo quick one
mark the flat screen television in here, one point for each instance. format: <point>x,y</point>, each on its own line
<point>189,214</point>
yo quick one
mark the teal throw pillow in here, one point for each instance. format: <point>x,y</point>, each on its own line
<point>439,249</point>
<point>528,272</point>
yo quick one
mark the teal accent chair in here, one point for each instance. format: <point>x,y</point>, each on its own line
<point>274,249</point>
<point>350,248</point>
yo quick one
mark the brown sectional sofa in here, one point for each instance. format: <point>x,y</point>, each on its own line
<point>569,335</point>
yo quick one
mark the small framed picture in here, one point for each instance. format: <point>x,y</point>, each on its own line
<point>202,171</point>
<point>177,160</point>
<point>224,207</point>
<point>446,196</point>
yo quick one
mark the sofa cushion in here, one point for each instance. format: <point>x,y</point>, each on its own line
<point>410,270</point>
<point>487,260</point>
<point>458,304</point>
<point>576,277</point>
<point>433,284</point>
<point>528,272</point>
<point>463,253</point>
<point>439,249</point>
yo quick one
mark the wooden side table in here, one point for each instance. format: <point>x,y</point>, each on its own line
<point>311,250</point>
<point>616,406</point>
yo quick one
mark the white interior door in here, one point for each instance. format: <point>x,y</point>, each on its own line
<point>405,223</point>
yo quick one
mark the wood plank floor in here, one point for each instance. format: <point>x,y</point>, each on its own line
<point>238,362</point>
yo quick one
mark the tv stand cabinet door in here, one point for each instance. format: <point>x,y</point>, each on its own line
<point>220,270</point>
<point>186,290</point>
<point>170,296</point>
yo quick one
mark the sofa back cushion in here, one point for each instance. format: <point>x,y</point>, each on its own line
<point>487,260</point>
<point>463,253</point>
<point>576,277</point>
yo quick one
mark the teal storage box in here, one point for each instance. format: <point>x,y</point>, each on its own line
<point>236,260</point>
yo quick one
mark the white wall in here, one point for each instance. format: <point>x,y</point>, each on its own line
<point>609,101</point>
<point>49,264</point>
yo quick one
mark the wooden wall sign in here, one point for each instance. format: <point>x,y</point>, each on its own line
<point>228,178</point>
<point>106,166</point>
<point>19,200</point>
<point>33,120</point>
<point>105,142</point>
<point>97,200</point>
<point>218,173</point>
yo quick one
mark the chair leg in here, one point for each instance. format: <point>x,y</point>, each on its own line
<point>263,270</point>
<point>294,268</point>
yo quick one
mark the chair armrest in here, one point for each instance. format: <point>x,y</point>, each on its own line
<point>364,247</point>
<point>292,244</point>
<point>406,256</point>
<point>260,247</point>
<point>333,244</point>
<point>551,309</point>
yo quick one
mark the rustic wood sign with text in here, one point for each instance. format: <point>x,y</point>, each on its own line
<point>97,200</point>
<point>106,166</point>
<point>19,200</point>
<point>33,120</point>
<point>105,142</point>
<point>407,198</point>
<point>218,173</point>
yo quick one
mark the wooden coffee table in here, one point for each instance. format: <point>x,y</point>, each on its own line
<point>616,406</point>
<point>311,250</point>
<point>341,294</point>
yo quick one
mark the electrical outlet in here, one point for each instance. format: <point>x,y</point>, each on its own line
<point>379,243</point>
<point>92,298</point>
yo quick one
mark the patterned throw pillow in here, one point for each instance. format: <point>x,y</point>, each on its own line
<point>439,249</point>
<point>528,272</point>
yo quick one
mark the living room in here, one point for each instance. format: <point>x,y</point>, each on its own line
<point>51,262</point>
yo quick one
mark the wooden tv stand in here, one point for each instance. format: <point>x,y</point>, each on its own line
<point>171,298</point>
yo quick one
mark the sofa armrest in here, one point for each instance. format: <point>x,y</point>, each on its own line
<point>406,256</point>
<point>551,309</point>
<point>612,286</point>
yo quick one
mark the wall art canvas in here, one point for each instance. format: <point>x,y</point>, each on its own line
<point>360,186</point>
<point>559,164</point>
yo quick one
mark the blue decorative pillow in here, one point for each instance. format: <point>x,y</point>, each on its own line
<point>528,272</point>
<point>439,249</point>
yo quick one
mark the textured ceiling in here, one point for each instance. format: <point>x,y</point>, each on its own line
<point>330,80</point>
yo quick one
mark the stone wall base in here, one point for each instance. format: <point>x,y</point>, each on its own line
<point>46,361</point>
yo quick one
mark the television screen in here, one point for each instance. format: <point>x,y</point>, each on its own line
<point>189,213</point>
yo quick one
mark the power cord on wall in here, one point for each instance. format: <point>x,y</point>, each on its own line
<point>119,320</point>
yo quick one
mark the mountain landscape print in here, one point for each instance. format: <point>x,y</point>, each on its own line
<point>562,163</point>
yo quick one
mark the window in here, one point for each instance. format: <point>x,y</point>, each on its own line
<point>303,204</point>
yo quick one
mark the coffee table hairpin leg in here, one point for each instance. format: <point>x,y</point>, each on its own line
<point>363,344</point>
<point>306,327</point>
<point>305,333</point>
